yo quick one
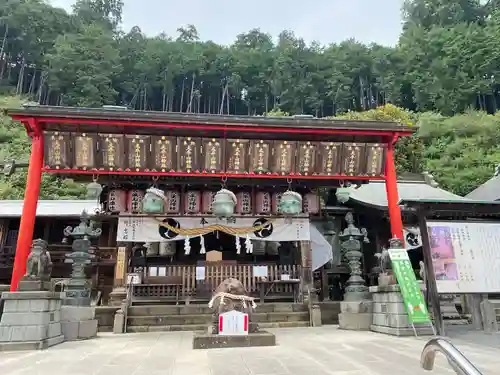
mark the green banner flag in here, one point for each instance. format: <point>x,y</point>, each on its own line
<point>410,289</point>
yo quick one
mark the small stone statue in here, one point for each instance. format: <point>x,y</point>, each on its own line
<point>231,295</point>
<point>39,264</point>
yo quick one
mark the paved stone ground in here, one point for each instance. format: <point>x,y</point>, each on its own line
<point>301,351</point>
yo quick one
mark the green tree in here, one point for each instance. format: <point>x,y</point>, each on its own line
<point>84,66</point>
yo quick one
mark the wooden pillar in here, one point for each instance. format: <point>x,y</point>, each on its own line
<point>28,216</point>
<point>306,277</point>
<point>430,276</point>
<point>391,184</point>
<point>119,292</point>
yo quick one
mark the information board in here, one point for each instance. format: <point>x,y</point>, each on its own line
<point>465,256</point>
<point>233,323</point>
<point>410,289</point>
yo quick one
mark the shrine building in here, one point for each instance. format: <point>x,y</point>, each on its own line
<point>188,200</point>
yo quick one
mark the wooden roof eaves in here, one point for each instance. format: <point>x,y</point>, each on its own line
<point>467,208</point>
<point>41,112</point>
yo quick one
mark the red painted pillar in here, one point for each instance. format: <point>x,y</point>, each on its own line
<point>27,224</point>
<point>391,185</point>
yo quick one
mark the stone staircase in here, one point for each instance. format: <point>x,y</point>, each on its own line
<point>162,318</point>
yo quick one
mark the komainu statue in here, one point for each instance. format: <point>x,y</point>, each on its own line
<point>231,295</point>
<point>39,264</point>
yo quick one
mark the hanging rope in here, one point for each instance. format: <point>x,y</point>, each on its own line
<point>193,232</point>
<point>237,297</point>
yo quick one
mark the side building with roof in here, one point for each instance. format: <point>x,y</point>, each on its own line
<point>489,191</point>
<point>369,203</point>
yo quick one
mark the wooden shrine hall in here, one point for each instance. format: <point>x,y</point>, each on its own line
<point>200,198</point>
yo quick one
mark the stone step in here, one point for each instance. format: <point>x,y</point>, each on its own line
<point>204,327</point>
<point>170,320</point>
<point>148,310</point>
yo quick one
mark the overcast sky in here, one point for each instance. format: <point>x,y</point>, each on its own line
<point>325,21</point>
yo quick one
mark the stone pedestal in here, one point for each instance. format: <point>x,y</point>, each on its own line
<point>119,322</point>
<point>78,323</point>
<point>355,315</point>
<point>30,320</point>
<point>390,315</point>
<point>489,316</point>
<point>211,341</point>
<point>315,312</point>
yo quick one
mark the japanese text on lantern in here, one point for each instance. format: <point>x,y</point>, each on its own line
<point>84,151</point>
<point>212,155</point>
<point>284,153</point>
<point>237,156</point>
<point>375,159</point>
<point>56,150</point>
<point>163,147</point>
<point>307,158</point>
<point>188,153</point>
<point>352,157</point>
<point>112,151</point>
<point>260,156</point>
<point>329,158</point>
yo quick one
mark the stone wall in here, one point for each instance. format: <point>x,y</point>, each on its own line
<point>330,311</point>
<point>390,315</point>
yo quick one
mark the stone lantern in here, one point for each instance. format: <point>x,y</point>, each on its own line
<point>350,239</point>
<point>77,290</point>
<point>356,308</point>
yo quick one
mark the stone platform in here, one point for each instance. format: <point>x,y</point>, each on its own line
<point>356,315</point>
<point>210,341</point>
<point>78,322</point>
<point>390,315</point>
<point>30,320</point>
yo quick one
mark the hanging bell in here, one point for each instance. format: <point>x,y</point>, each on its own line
<point>94,191</point>
<point>153,201</point>
<point>290,203</point>
<point>224,203</point>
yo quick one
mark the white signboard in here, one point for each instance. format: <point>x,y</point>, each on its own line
<point>149,229</point>
<point>465,256</point>
<point>260,271</point>
<point>133,279</point>
<point>233,323</point>
<point>200,273</point>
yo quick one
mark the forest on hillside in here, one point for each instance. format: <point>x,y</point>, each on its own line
<point>443,75</point>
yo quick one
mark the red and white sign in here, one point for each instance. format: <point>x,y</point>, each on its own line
<point>233,323</point>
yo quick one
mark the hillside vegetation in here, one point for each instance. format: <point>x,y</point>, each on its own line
<point>443,75</point>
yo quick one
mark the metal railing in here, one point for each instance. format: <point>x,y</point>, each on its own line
<point>460,364</point>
